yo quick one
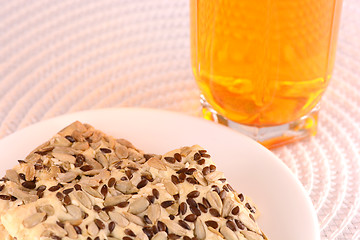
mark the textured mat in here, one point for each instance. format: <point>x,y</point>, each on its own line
<point>58,57</point>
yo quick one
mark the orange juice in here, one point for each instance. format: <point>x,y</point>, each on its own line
<point>264,62</point>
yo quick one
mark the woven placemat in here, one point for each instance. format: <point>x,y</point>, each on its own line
<point>64,56</point>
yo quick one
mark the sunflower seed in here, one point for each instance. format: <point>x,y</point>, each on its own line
<point>154,212</point>
<point>228,233</point>
<point>200,178</point>
<point>104,216</point>
<point>64,157</point>
<point>214,200</point>
<point>155,162</point>
<point>100,157</point>
<point>185,151</point>
<point>199,231</point>
<point>119,219</point>
<point>125,187</point>
<point>25,196</point>
<point>114,200</point>
<point>138,206</point>
<point>13,176</point>
<point>134,219</point>
<point>83,199</point>
<point>52,229</point>
<point>81,146</point>
<point>135,155</point>
<point>92,229</point>
<point>170,187</point>
<point>160,236</point>
<point>29,172</point>
<point>95,164</point>
<point>34,219</point>
<point>121,151</point>
<point>227,207</point>
<point>174,227</point>
<point>92,191</point>
<point>67,177</point>
<point>70,231</point>
<point>48,209</point>
<point>248,222</point>
<point>74,211</point>
<point>214,176</point>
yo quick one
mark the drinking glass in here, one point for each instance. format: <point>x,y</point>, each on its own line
<point>262,66</point>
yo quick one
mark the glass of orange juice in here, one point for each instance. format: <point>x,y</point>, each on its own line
<point>262,66</point>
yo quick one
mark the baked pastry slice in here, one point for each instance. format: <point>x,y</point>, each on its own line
<point>84,184</point>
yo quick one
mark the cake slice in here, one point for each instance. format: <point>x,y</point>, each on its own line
<point>84,184</point>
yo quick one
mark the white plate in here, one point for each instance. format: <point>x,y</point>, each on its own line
<point>286,209</point>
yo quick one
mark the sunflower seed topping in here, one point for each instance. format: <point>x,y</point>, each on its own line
<point>34,219</point>
<point>83,183</point>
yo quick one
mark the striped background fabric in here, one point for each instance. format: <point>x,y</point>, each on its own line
<point>59,57</point>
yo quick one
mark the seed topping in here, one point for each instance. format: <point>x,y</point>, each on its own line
<point>193,194</point>
<point>107,187</point>
<point>211,223</point>
<point>167,204</point>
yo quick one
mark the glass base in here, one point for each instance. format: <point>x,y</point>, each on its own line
<point>270,137</point>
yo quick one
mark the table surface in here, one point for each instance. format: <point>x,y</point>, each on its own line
<point>58,57</point>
